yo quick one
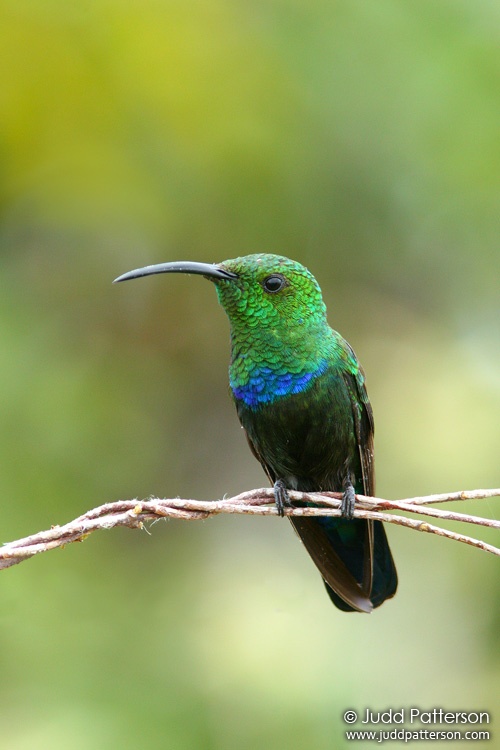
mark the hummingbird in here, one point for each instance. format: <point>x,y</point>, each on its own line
<point>301,398</point>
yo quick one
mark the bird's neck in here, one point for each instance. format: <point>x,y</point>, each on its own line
<point>272,364</point>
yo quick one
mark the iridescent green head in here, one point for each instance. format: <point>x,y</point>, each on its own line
<point>270,291</point>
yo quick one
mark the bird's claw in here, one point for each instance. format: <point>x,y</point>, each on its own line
<point>281,497</point>
<point>348,502</point>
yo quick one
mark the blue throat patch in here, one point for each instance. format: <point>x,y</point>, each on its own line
<point>265,385</point>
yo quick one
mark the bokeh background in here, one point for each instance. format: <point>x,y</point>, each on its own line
<point>359,138</point>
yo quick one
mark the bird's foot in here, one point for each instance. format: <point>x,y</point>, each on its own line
<point>348,501</point>
<point>281,497</point>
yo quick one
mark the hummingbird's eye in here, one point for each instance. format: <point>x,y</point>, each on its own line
<point>274,283</point>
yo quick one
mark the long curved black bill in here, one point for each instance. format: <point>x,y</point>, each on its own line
<point>179,266</point>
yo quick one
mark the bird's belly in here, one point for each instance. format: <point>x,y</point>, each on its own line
<point>306,439</point>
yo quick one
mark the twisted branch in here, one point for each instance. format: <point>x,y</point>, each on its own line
<point>135,513</point>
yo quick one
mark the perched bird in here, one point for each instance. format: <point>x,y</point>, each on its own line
<point>300,395</point>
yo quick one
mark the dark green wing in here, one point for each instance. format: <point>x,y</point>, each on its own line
<point>379,572</point>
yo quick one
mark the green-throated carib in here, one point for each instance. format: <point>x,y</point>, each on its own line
<point>300,395</point>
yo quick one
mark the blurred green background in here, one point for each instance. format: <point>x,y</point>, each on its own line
<point>359,138</point>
